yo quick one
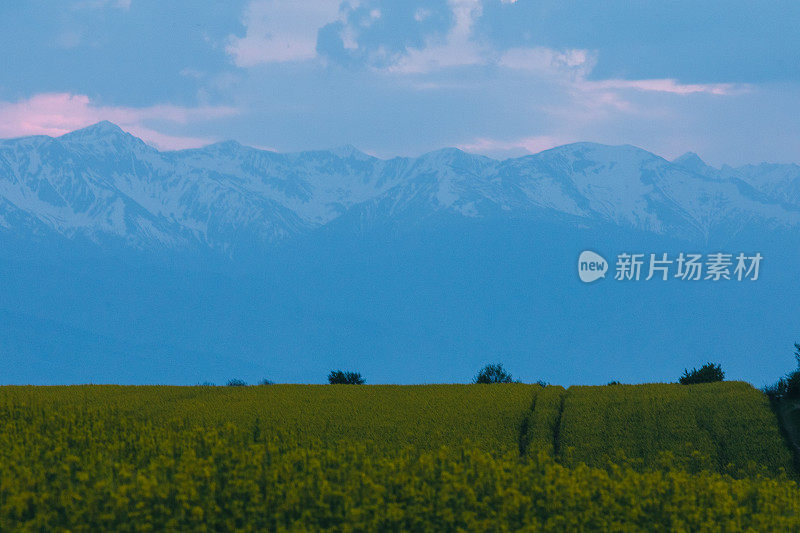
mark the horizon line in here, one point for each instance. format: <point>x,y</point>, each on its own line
<point>351,146</point>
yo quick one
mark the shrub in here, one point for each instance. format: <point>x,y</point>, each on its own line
<point>792,385</point>
<point>236,383</point>
<point>493,374</point>
<point>777,389</point>
<point>339,377</point>
<point>266,382</point>
<point>708,373</point>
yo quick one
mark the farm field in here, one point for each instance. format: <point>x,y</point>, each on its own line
<point>726,427</point>
<point>427,457</point>
<point>420,416</point>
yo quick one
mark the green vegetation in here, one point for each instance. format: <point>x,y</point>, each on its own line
<point>724,427</point>
<point>492,373</point>
<point>789,386</point>
<point>391,416</point>
<point>339,377</point>
<point>396,458</point>
<point>541,426</point>
<point>708,373</point>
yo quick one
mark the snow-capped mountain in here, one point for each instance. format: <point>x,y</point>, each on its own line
<point>403,267</point>
<point>101,183</point>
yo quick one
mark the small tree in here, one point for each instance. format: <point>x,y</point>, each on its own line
<point>266,382</point>
<point>339,377</point>
<point>493,374</point>
<point>235,382</point>
<point>708,373</point>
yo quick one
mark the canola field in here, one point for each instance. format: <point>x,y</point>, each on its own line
<point>393,458</point>
<point>725,427</point>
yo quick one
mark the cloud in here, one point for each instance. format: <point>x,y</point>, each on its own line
<point>457,48</point>
<point>431,37</point>
<point>55,114</point>
<point>667,85</point>
<point>577,63</point>
<point>281,31</point>
<point>426,37</point>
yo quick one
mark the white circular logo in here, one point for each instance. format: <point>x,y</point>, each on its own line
<point>591,266</point>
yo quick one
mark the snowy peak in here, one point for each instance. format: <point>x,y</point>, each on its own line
<point>102,183</point>
<point>597,152</point>
<point>223,148</point>
<point>690,161</point>
<point>103,136</point>
<point>348,151</point>
<point>103,130</point>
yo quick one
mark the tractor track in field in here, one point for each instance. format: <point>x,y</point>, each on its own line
<point>557,426</point>
<point>524,429</point>
<point>791,431</point>
<point>529,426</point>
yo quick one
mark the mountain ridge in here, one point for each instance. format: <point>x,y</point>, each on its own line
<point>104,184</point>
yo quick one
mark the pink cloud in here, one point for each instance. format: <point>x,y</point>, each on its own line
<point>668,85</point>
<point>55,114</point>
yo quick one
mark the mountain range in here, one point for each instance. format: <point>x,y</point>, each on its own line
<point>120,263</point>
<point>102,185</point>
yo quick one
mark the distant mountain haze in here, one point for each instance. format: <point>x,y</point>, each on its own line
<point>123,264</point>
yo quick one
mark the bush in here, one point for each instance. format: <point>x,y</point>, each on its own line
<point>266,382</point>
<point>493,374</point>
<point>708,373</point>
<point>777,389</point>
<point>339,377</point>
<point>236,383</point>
<point>786,387</point>
<point>789,386</point>
<point>792,385</point>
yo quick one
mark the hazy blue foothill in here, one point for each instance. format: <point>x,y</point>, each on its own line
<point>124,264</point>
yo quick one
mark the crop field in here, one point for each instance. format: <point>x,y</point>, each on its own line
<point>725,427</point>
<point>422,416</point>
<point>540,427</point>
<point>393,458</point>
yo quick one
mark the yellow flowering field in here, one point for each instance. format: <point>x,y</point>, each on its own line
<point>727,427</point>
<point>391,458</point>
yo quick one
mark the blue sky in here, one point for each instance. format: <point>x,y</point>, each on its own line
<point>501,78</point>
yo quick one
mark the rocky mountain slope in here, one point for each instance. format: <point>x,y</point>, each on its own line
<point>103,184</point>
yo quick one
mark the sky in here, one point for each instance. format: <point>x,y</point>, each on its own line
<point>502,78</point>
